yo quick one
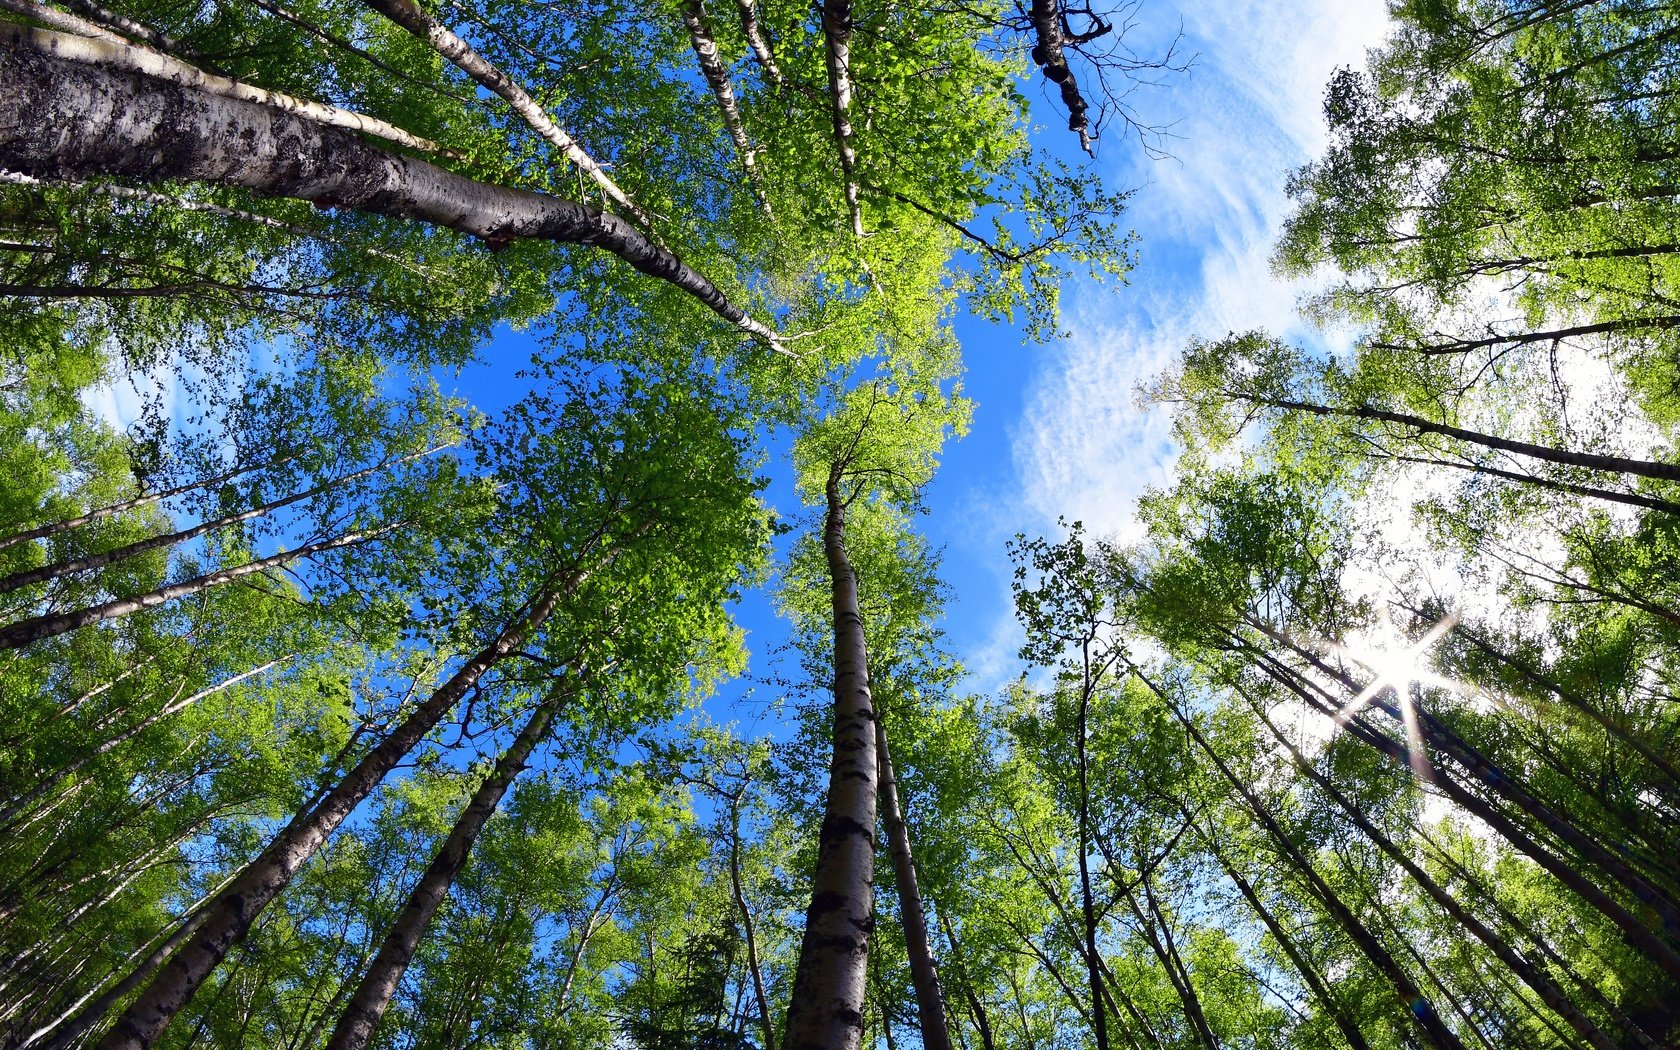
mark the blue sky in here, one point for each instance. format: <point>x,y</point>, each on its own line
<point>1055,430</point>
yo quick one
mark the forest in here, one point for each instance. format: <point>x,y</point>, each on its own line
<point>346,705</point>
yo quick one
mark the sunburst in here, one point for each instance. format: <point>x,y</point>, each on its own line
<point>1399,665</point>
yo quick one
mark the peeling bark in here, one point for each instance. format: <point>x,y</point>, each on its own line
<point>67,120</point>
<point>837,35</point>
<point>360,1019</point>
<point>717,78</point>
<point>1046,18</point>
<point>105,50</point>
<point>924,974</point>
<point>826,1012</point>
<point>418,23</point>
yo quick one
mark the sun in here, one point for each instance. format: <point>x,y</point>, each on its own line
<point>1396,664</point>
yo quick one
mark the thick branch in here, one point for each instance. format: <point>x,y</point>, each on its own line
<point>68,120</point>
<point>717,78</point>
<point>1047,54</point>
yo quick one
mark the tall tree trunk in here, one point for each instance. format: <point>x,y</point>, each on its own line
<point>837,36</point>
<point>361,1016</point>
<point>760,47</point>
<point>236,907</point>
<point>43,573</point>
<point>924,974</point>
<point>1637,934</point>
<point>1303,966</point>
<point>976,1008</point>
<point>51,625</point>
<point>826,1012</point>
<point>1087,900</point>
<point>1409,996</point>
<point>1564,457</point>
<point>717,78</point>
<point>101,513</point>
<point>67,120</point>
<point>749,931</point>
<point>96,46</point>
<point>1531,975</point>
<point>418,23</point>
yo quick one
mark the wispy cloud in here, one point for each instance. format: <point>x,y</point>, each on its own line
<point>1246,114</point>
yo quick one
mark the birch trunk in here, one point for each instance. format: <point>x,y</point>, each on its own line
<point>103,49</point>
<point>68,120</point>
<point>230,915</point>
<point>755,39</point>
<point>420,24</point>
<point>924,974</point>
<point>826,1012</point>
<point>43,573</point>
<point>51,625</point>
<point>837,35</point>
<point>361,1016</point>
<point>717,78</point>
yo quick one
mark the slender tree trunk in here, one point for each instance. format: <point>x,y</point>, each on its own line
<point>101,513</point>
<point>236,907</point>
<point>924,974</point>
<point>1177,971</point>
<point>1563,457</point>
<point>1046,16</point>
<point>43,573</point>
<point>837,35</point>
<point>749,932</point>
<point>976,1008</point>
<point>67,120</point>
<point>1303,966</point>
<point>1630,499</point>
<point>1087,901</point>
<point>417,22</point>
<point>1638,935</point>
<point>826,1012</point>
<point>361,1016</point>
<point>1463,346</point>
<point>1531,975</point>
<point>717,78</point>
<point>52,625</point>
<point>760,47</point>
<point>1406,991</point>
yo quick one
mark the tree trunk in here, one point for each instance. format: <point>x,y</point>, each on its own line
<point>66,120</point>
<point>1087,901</point>
<point>748,930</point>
<point>930,998</point>
<point>976,1008</point>
<point>101,513</point>
<point>51,625</point>
<point>1046,16</point>
<point>717,78</point>
<point>106,50</point>
<point>236,907</point>
<point>361,1016</point>
<point>1406,991</point>
<point>420,24</point>
<point>1309,973</point>
<point>1531,975</point>
<point>760,49</point>
<point>1564,457</point>
<point>96,561</point>
<point>837,35</point>
<point>826,1012</point>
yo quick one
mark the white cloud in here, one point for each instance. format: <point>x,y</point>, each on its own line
<point>1247,113</point>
